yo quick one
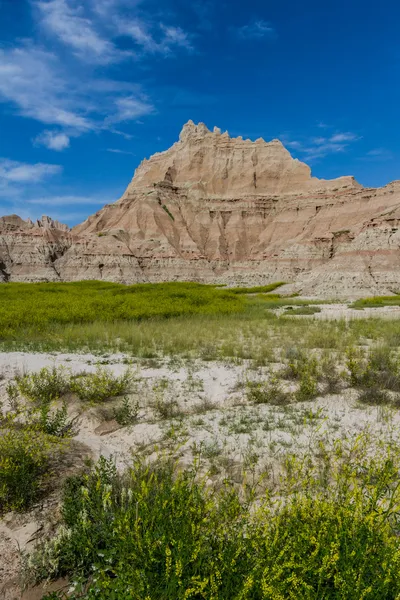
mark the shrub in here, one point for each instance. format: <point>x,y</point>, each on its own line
<point>308,388</point>
<point>166,408</point>
<point>379,368</point>
<point>55,422</point>
<point>267,392</point>
<point>374,395</point>
<point>46,385</point>
<point>100,385</point>
<point>330,375</point>
<point>127,412</point>
<point>25,456</point>
<point>304,310</point>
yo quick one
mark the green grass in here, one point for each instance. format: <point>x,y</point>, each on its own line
<point>34,308</point>
<point>260,289</point>
<point>377,301</point>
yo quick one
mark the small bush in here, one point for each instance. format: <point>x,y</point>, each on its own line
<point>55,422</point>
<point>46,385</point>
<point>380,368</point>
<point>24,462</point>
<point>330,375</point>
<point>101,385</point>
<point>374,395</point>
<point>166,408</point>
<point>304,310</point>
<point>267,392</point>
<point>299,363</point>
<point>127,412</point>
<point>308,388</point>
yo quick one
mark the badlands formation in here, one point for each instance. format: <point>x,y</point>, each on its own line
<point>217,209</point>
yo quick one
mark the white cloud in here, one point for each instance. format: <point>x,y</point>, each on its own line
<point>118,151</point>
<point>56,97</point>
<point>175,36</point>
<point>67,200</point>
<point>319,147</point>
<point>293,144</point>
<point>31,78</point>
<point>153,39</point>
<point>53,140</point>
<point>344,137</point>
<point>256,30</point>
<point>17,172</point>
<point>130,108</point>
<point>138,31</point>
<point>61,19</point>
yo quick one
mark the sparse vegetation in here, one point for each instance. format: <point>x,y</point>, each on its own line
<point>267,392</point>
<point>100,386</point>
<point>127,412</point>
<point>377,301</point>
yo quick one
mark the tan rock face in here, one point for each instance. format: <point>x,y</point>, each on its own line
<point>29,251</point>
<point>217,209</point>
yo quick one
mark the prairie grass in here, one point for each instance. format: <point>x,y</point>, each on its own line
<point>36,307</point>
<point>377,301</point>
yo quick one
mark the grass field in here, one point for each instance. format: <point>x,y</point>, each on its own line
<point>155,320</point>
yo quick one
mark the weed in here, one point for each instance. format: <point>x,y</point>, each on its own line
<point>303,310</point>
<point>44,386</point>
<point>25,457</point>
<point>308,388</point>
<point>267,392</point>
<point>101,385</point>
<point>166,408</point>
<point>56,422</point>
<point>127,412</point>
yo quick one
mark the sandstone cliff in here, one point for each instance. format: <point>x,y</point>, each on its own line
<point>227,210</point>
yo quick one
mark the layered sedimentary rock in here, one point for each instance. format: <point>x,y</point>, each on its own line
<point>29,251</point>
<point>227,210</point>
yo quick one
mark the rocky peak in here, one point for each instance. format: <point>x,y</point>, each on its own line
<point>48,223</point>
<point>212,163</point>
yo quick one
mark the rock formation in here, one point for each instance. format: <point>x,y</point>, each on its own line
<point>225,210</point>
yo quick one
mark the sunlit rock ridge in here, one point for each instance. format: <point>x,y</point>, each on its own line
<point>226,210</point>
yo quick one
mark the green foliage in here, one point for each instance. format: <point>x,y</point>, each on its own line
<point>100,385</point>
<point>380,368</point>
<point>25,457</point>
<point>159,533</point>
<point>267,392</point>
<point>377,301</point>
<point>33,309</point>
<point>308,388</point>
<point>44,386</point>
<point>127,412</point>
<point>259,289</point>
<point>171,216</point>
<point>303,310</point>
<point>330,375</point>
<point>55,422</point>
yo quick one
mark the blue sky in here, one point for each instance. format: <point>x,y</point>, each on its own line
<point>90,87</point>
